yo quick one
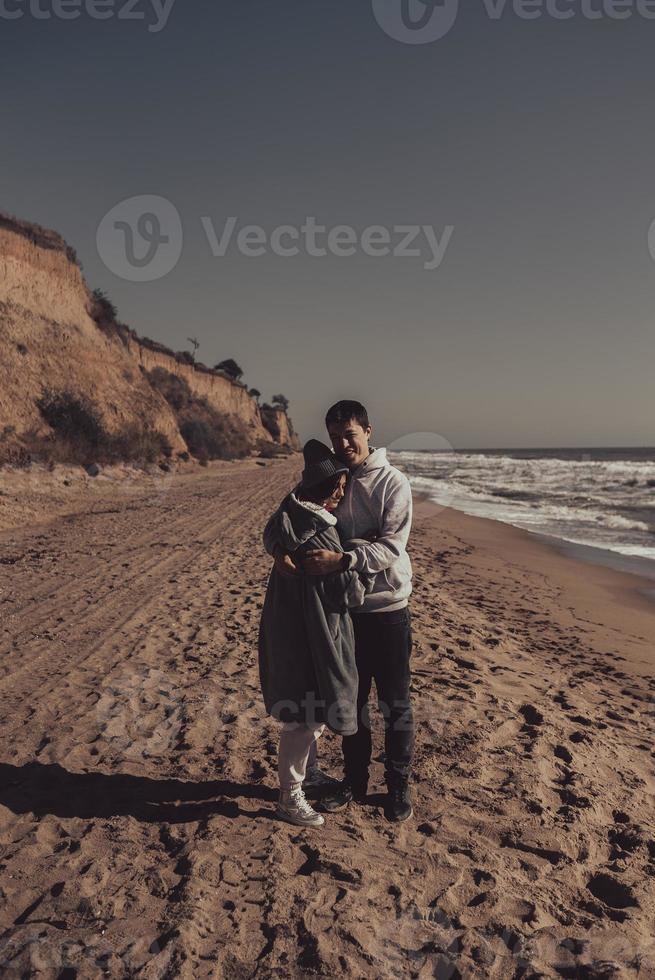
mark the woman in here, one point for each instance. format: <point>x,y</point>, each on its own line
<point>306,643</point>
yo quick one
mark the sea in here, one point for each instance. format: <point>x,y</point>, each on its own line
<point>596,498</point>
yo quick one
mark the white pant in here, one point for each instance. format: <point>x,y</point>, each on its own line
<point>297,748</point>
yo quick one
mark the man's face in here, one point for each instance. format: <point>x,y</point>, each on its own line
<point>350,442</point>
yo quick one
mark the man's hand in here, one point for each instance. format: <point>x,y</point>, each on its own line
<point>285,566</point>
<point>323,562</point>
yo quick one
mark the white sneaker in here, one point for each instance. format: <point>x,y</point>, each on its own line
<point>315,778</point>
<point>294,808</point>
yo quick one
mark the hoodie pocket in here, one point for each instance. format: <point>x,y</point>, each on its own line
<point>395,577</point>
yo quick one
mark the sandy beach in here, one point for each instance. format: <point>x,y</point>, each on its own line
<point>137,777</point>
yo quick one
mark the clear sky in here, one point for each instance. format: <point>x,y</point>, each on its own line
<point>532,139</point>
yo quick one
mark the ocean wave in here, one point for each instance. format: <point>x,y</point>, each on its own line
<point>606,503</point>
<point>621,523</point>
<point>527,495</point>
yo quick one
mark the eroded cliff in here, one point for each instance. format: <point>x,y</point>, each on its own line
<point>53,344</point>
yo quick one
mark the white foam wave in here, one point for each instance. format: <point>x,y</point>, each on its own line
<point>601,503</point>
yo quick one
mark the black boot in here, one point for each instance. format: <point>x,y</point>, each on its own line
<point>344,793</point>
<point>398,805</point>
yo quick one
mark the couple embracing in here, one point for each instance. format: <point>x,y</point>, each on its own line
<point>336,618</point>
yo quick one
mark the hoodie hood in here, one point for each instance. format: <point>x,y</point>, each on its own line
<point>376,460</point>
<point>300,521</point>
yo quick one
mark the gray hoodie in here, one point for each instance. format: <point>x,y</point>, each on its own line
<point>378,499</point>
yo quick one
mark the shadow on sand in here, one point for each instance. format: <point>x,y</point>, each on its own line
<point>50,789</point>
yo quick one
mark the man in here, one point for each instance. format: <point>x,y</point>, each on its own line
<point>377,506</point>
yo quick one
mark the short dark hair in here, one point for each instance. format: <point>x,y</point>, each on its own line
<point>321,491</point>
<point>346,410</point>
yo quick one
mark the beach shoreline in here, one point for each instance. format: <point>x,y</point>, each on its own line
<point>643,568</point>
<point>612,598</point>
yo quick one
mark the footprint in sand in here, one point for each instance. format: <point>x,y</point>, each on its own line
<point>479,876</point>
<point>612,892</point>
<point>624,840</point>
<point>532,715</point>
<point>561,752</point>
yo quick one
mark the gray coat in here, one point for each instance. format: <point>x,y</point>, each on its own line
<point>306,643</point>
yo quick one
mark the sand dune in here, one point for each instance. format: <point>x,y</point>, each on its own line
<point>137,777</point>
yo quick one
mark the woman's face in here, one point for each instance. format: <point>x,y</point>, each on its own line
<point>333,502</point>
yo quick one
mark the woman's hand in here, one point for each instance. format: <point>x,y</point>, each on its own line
<point>285,565</point>
<point>324,562</point>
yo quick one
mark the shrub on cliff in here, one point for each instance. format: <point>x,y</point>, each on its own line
<point>208,433</point>
<point>269,415</point>
<point>175,389</point>
<point>102,310</point>
<point>135,443</point>
<point>281,401</point>
<point>184,357</point>
<point>79,437</point>
<point>13,451</point>
<point>104,313</point>
<point>42,237</point>
<point>230,368</point>
<point>72,418</point>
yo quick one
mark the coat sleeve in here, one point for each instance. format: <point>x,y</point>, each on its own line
<point>272,536</point>
<point>394,531</point>
<point>338,591</point>
<point>341,591</point>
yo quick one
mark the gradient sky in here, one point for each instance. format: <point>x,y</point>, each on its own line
<point>534,139</point>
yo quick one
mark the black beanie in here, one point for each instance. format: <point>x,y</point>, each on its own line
<point>320,464</point>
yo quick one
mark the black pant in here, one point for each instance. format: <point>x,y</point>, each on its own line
<point>383,646</point>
